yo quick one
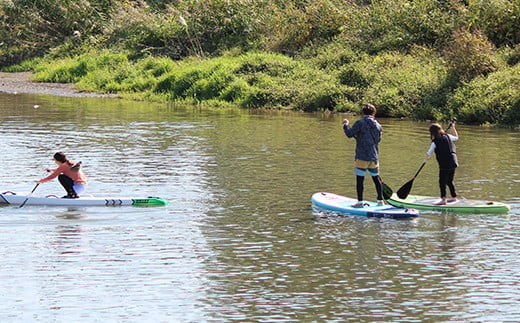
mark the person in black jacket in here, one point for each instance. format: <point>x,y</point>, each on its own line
<point>445,151</point>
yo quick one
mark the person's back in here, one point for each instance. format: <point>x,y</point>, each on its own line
<point>367,132</point>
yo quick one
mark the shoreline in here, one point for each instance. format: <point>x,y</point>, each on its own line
<point>20,82</point>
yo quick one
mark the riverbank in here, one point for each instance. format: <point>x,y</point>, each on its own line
<point>21,82</point>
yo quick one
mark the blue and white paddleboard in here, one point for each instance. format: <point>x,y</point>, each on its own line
<point>330,202</point>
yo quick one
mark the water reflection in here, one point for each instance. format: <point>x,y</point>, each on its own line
<point>69,239</point>
<point>73,214</point>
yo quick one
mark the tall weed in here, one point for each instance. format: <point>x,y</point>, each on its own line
<point>29,28</point>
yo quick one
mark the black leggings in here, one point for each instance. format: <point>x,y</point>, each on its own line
<point>68,184</point>
<point>360,187</point>
<point>446,178</point>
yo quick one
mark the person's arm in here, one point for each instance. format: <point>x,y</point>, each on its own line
<point>55,173</point>
<point>349,132</point>
<point>454,130</point>
<point>430,151</point>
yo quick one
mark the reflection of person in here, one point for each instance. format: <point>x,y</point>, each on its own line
<point>69,175</point>
<point>367,132</point>
<point>445,151</point>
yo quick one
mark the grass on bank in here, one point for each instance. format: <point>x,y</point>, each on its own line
<point>412,59</point>
<point>415,85</point>
<point>253,80</point>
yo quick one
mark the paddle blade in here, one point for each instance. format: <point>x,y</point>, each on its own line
<point>405,189</point>
<point>387,191</point>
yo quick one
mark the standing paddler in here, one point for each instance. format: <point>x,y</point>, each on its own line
<point>445,151</point>
<point>367,132</point>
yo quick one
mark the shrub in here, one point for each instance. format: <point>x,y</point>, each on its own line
<point>498,19</point>
<point>513,56</point>
<point>398,25</point>
<point>512,116</point>
<point>352,75</point>
<point>235,91</point>
<point>212,27</point>
<point>143,32</point>
<point>489,99</point>
<point>402,85</point>
<point>469,54</point>
<point>30,28</point>
<point>331,56</point>
<point>295,25</point>
<point>211,86</point>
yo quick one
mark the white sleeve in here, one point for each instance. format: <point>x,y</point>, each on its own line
<point>453,138</point>
<point>431,150</point>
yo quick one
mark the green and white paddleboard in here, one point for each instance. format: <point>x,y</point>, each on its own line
<point>461,205</point>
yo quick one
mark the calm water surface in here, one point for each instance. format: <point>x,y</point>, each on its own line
<point>239,242</point>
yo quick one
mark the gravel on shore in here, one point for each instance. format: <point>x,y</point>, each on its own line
<point>21,82</point>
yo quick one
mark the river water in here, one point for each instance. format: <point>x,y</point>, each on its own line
<point>239,240</point>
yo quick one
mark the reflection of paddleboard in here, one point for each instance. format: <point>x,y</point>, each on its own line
<point>17,199</point>
<point>341,204</point>
<point>459,206</point>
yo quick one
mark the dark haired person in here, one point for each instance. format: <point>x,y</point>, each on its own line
<point>445,151</point>
<point>367,132</point>
<point>69,175</point>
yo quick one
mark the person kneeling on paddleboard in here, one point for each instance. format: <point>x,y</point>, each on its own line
<point>445,151</point>
<point>367,132</point>
<point>69,175</point>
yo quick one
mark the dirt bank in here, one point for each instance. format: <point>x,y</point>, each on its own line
<point>21,83</point>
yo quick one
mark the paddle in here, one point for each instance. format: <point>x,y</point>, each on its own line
<point>35,186</point>
<point>407,187</point>
<point>387,191</point>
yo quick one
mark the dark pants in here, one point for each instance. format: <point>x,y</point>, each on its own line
<point>446,178</point>
<point>68,184</point>
<point>360,187</point>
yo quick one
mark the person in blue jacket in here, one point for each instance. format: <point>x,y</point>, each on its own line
<point>367,132</point>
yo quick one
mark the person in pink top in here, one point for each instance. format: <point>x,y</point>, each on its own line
<point>69,175</point>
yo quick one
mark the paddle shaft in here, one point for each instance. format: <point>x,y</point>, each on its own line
<point>419,170</point>
<point>35,186</point>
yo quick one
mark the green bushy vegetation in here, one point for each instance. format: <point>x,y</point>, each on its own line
<point>423,59</point>
<point>490,99</point>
